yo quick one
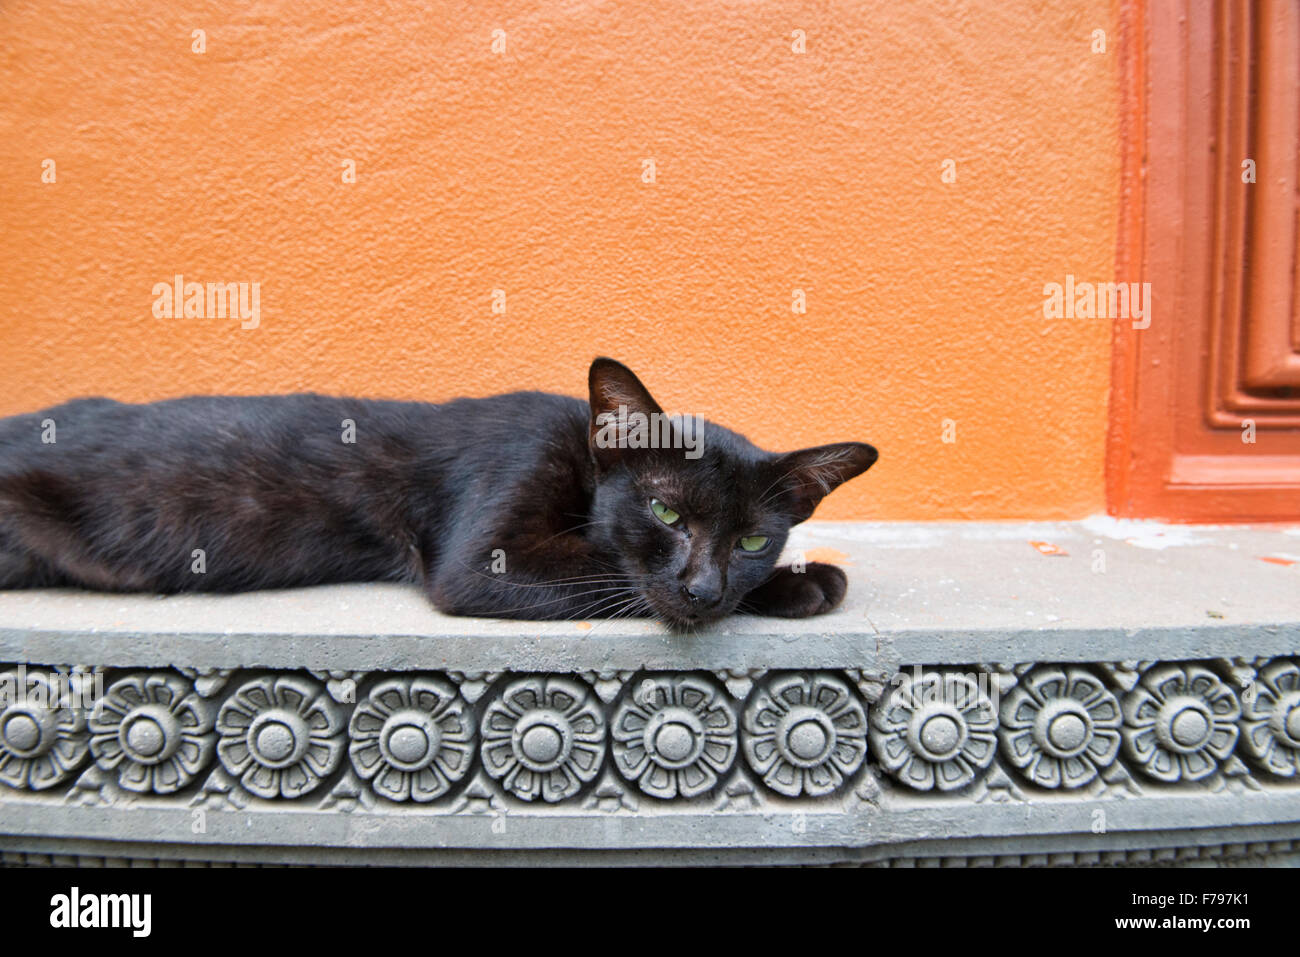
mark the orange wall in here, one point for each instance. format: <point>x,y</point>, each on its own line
<point>522,172</point>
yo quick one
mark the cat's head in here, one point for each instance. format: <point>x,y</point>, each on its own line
<point>696,513</point>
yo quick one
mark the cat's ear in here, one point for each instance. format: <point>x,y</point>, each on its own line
<point>618,401</point>
<point>809,475</point>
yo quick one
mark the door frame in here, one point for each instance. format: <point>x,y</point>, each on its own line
<point>1204,84</point>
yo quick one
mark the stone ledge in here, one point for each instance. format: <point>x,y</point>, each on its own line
<point>917,593</point>
<point>978,698</point>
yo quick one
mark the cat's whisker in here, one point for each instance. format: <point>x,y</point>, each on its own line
<point>505,612</point>
<point>637,605</point>
<point>577,580</point>
<point>602,606</point>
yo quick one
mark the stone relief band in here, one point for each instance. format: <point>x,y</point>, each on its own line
<point>605,741</point>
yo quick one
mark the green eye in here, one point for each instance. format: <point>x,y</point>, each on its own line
<point>663,512</point>
<point>753,543</point>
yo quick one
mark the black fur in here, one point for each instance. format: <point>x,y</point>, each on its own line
<point>507,506</point>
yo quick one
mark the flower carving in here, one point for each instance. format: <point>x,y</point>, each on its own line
<point>674,735</point>
<point>42,737</point>
<point>805,734</point>
<point>1180,721</point>
<point>280,736</point>
<point>155,730</point>
<point>1060,727</point>
<point>934,730</point>
<point>1270,720</point>
<point>412,738</point>
<point>543,737</point>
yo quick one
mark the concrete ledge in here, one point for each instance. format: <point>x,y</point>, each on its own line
<point>1099,692</point>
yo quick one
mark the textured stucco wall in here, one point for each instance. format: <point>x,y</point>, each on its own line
<point>522,172</point>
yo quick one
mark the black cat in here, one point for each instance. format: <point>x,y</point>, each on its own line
<point>525,505</point>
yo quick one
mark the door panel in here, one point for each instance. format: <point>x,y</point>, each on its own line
<point>1206,399</point>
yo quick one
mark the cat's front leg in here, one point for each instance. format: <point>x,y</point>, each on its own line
<point>561,583</point>
<point>787,593</point>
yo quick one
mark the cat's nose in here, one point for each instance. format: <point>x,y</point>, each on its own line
<point>702,594</point>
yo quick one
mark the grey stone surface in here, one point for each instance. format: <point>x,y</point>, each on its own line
<point>918,593</point>
<point>978,699</point>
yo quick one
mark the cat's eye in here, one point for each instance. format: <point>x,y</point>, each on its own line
<point>663,512</point>
<point>753,543</point>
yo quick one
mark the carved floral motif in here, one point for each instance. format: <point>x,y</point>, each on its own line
<point>543,737</point>
<point>1180,721</point>
<point>1270,720</point>
<point>280,736</point>
<point>935,731</point>
<point>42,738</point>
<point>805,733</point>
<point>154,730</point>
<point>674,735</point>
<point>1060,726</point>
<point>412,738</point>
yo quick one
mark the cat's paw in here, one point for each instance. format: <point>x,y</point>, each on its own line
<point>817,589</point>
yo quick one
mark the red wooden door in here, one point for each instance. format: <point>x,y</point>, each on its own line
<point>1206,398</point>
